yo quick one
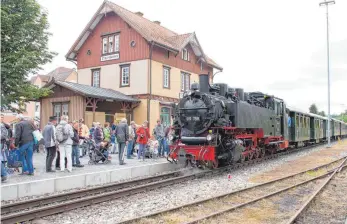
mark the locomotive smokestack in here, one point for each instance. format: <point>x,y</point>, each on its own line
<point>204,83</point>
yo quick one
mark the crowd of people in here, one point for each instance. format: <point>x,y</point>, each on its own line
<point>62,141</point>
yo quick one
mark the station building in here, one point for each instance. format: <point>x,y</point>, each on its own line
<point>136,58</point>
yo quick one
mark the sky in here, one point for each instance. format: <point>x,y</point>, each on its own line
<point>276,47</point>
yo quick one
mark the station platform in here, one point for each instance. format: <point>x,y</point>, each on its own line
<point>42,183</point>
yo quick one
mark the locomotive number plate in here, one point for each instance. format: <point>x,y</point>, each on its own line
<point>193,119</point>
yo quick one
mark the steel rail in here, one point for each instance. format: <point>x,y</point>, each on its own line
<point>231,193</point>
<point>330,174</point>
<point>323,185</point>
<point>102,197</point>
<point>81,193</point>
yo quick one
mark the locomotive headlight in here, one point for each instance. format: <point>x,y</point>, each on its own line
<point>209,137</point>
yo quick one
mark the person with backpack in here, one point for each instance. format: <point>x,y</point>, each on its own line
<point>64,136</point>
<point>49,136</point>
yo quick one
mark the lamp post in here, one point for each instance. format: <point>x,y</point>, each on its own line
<point>326,4</point>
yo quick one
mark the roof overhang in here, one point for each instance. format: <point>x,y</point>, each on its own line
<point>102,11</point>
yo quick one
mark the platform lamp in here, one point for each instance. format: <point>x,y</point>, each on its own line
<point>326,4</point>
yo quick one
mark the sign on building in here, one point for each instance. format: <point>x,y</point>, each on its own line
<point>110,57</point>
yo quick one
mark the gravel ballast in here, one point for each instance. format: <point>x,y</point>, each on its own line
<point>172,196</point>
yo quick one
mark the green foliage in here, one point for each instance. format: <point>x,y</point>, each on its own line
<point>24,48</point>
<point>322,113</point>
<point>313,109</point>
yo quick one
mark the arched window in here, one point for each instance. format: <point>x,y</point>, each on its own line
<point>165,116</point>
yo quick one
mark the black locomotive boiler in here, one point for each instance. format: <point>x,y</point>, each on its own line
<point>217,124</point>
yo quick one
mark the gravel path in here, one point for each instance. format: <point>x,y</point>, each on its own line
<point>175,195</point>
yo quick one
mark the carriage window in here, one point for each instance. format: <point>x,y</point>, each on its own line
<point>297,121</point>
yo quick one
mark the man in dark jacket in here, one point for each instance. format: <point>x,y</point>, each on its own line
<point>122,135</point>
<point>25,141</point>
<point>75,150</point>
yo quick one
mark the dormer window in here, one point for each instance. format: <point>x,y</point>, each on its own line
<point>185,54</point>
<point>110,44</point>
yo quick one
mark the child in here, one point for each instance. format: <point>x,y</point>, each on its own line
<point>154,145</point>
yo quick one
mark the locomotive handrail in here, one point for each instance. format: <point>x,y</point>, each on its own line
<point>197,108</point>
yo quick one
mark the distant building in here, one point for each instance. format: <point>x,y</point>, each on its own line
<point>32,109</point>
<point>125,52</point>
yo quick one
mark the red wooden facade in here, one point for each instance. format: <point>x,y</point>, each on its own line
<point>112,23</point>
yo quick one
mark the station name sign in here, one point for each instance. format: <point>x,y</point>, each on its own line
<point>110,57</point>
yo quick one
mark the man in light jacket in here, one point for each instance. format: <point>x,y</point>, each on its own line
<point>49,136</point>
<point>131,139</point>
<point>122,135</point>
<point>65,147</point>
<point>160,136</point>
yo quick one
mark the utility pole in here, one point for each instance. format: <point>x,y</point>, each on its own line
<point>326,4</point>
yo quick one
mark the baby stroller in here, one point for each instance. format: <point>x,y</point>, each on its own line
<point>99,153</point>
<point>13,158</point>
<point>85,146</point>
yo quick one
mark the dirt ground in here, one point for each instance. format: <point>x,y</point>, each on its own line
<point>310,161</point>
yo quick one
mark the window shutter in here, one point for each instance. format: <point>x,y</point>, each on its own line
<point>187,55</point>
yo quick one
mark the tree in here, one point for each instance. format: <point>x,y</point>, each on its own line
<point>24,48</point>
<point>322,113</point>
<point>313,109</point>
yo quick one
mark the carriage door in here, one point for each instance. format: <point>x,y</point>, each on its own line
<point>165,116</point>
<point>277,118</point>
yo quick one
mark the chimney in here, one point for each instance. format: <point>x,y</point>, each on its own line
<point>139,13</point>
<point>157,22</point>
<point>204,84</point>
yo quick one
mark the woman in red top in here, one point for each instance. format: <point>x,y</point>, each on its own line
<point>142,138</point>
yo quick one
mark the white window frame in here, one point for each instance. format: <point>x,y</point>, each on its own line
<point>185,81</point>
<point>185,54</point>
<point>124,75</point>
<point>166,77</point>
<point>96,78</point>
<point>110,44</point>
<point>116,43</point>
<point>104,45</point>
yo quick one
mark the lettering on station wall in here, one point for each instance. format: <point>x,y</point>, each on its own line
<point>110,57</point>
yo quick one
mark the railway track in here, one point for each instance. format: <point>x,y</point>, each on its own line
<point>224,208</point>
<point>45,206</point>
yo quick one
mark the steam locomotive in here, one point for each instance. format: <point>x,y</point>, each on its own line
<point>217,125</point>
